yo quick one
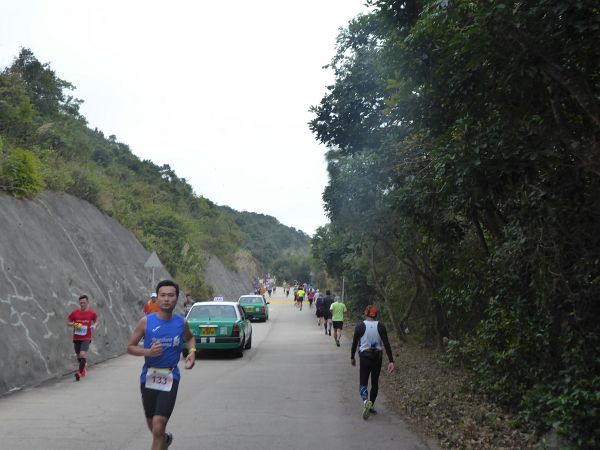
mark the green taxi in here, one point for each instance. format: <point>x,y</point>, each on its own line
<point>255,307</point>
<point>219,325</point>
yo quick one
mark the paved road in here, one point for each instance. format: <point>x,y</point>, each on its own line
<point>293,390</point>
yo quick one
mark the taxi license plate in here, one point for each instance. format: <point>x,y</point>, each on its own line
<point>208,331</point>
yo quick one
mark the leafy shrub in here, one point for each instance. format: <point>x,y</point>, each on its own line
<point>20,174</point>
<point>83,184</point>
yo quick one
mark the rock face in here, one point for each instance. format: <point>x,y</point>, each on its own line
<point>227,283</point>
<point>53,249</point>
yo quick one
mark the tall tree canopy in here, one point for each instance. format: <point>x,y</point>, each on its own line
<point>465,182</point>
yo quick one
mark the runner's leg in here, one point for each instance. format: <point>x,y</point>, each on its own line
<point>158,406</point>
<point>365,370</point>
<point>375,371</point>
<point>159,426</point>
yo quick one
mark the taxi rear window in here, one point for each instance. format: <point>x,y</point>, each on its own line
<point>252,300</point>
<point>212,312</point>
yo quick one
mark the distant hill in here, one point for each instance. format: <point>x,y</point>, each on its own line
<point>267,238</point>
<point>46,144</point>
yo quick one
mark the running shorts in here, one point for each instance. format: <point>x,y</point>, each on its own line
<point>159,403</point>
<point>337,324</point>
<point>81,346</point>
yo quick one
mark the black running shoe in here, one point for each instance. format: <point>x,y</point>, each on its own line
<point>169,438</point>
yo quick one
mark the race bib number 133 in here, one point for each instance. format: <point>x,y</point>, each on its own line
<point>159,379</point>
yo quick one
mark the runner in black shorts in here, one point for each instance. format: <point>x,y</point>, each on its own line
<point>163,334</point>
<point>159,403</point>
<point>327,301</point>
<point>81,346</point>
<point>83,321</point>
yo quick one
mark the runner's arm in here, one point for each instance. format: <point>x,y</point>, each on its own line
<point>359,330</point>
<point>190,340</point>
<point>138,333</point>
<point>384,338</point>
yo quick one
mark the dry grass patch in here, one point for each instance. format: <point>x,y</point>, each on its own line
<point>434,400</point>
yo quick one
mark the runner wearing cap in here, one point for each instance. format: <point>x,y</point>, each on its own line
<point>370,336</point>
<point>151,305</point>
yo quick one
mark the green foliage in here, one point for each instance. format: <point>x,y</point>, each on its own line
<point>83,184</point>
<point>292,267</point>
<point>464,170</point>
<point>16,111</point>
<point>44,88</point>
<point>267,239</point>
<point>160,208</point>
<point>20,173</point>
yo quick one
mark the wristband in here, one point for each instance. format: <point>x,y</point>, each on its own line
<point>193,349</point>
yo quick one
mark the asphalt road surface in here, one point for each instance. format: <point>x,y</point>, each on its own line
<point>293,390</point>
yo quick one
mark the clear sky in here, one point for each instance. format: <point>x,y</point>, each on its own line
<point>219,90</point>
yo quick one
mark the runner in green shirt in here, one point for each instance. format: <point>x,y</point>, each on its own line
<point>300,296</point>
<point>338,309</point>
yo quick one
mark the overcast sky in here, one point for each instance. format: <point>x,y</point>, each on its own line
<point>219,90</point>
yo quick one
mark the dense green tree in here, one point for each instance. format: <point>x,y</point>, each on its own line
<point>45,89</point>
<point>464,176</point>
<point>16,110</point>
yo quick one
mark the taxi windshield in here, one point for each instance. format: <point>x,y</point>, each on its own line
<point>212,312</point>
<point>252,300</point>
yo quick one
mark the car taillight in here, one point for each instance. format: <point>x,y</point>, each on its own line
<point>236,331</point>
<point>262,310</point>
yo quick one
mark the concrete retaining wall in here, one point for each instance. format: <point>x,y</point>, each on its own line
<point>53,249</point>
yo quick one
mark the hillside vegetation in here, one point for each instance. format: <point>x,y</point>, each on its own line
<point>45,143</point>
<point>464,192</point>
<point>286,254</point>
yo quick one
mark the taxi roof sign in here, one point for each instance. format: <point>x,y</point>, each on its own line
<point>218,299</point>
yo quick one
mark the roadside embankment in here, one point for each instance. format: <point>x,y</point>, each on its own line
<point>53,249</point>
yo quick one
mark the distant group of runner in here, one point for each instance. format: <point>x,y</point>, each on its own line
<point>329,310</point>
<point>370,338</point>
<point>265,286</point>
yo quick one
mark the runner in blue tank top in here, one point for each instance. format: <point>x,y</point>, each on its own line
<point>163,335</point>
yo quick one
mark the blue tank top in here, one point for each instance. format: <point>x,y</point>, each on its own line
<point>170,334</point>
